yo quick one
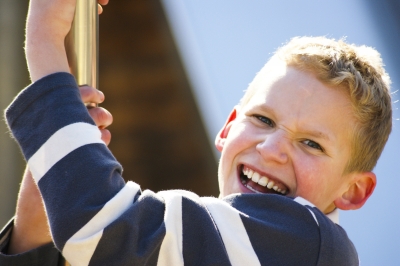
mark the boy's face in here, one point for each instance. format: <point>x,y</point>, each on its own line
<point>293,135</point>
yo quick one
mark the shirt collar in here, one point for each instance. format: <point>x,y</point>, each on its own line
<point>333,216</point>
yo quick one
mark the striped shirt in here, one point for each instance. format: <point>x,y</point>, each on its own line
<point>98,219</point>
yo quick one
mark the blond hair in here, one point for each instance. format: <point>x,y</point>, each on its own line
<point>357,69</point>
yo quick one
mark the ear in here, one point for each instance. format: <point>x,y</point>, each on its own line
<point>360,190</point>
<point>223,133</point>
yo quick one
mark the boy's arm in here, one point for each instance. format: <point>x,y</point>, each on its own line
<point>30,223</point>
<point>30,228</point>
<point>47,25</point>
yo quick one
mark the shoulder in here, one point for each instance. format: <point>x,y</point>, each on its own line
<point>295,225</point>
<point>266,226</point>
<point>336,247</point>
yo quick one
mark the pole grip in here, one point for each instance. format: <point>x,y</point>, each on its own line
<point>82,43</point>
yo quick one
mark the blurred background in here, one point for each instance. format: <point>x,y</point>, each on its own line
<point>172,70</point>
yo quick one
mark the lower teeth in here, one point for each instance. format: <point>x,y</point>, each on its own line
<point>252,189</point>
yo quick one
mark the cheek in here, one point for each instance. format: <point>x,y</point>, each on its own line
<point>238,140</point>
<point>307,177</point>
<point>236,145</point>
<point>312,179</point>
<point>318,182</point>
<point>244,136</point>
<point>226,164</point>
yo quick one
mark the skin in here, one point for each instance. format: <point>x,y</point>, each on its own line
<point>295,131</point>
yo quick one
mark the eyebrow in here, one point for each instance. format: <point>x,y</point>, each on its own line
<point>314,133</point>
<point>266,108</point>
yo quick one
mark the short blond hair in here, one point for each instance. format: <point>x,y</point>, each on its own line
<point>357,69</point>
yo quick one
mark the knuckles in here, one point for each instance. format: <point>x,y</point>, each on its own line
<point>89,94</point>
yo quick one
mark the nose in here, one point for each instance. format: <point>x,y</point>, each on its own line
<point>274,147</point>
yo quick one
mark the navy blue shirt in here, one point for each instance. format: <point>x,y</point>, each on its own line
<point>98,219</point>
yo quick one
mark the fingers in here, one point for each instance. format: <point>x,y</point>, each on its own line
<point>103,2</point>
<point>91,95</point>
<point>101,117</point>
<point>105,136</point>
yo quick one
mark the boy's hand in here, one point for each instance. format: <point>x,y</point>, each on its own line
<point>49,21</point>
<point>101,116</point>
<point>31,229</point>
<point>102,3</point>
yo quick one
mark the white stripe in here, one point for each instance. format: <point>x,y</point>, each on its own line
<point>233,233</point>
<point>60,144</point>
<point>333,216</point>
<point>80,247</point>
<point>305,202</point>
<point>80,251</point>
<point>171,247</point>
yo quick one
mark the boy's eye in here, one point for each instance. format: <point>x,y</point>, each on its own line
<point>265,120</point>
<point>313,144</point>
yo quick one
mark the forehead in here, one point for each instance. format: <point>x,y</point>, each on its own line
<point>289,86</point>
<point>298,100</point>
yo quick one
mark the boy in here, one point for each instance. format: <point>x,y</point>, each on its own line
<point>301,143</point>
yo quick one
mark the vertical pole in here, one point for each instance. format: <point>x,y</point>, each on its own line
<point>82,43</point>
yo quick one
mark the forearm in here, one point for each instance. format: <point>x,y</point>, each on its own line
<point>31,229</point>
<point>67,182</point>
<point>44,46</point>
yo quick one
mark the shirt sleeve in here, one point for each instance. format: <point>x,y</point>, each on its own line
<point>96,218</point>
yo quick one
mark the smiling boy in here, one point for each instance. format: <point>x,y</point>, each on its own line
<point>299,133</point>
<point>285,138</point>
<point>302,143</point>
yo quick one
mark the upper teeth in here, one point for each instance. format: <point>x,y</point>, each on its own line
<point>262,180</point>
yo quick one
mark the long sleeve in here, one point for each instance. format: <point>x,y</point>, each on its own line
<point>96,218</point>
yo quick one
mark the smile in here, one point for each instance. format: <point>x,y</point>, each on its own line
<point>259,183</point>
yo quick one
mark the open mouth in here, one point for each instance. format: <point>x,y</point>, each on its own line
<point>258,183</point>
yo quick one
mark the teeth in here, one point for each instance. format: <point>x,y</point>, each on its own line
<point>263,181</point>
<point>256,177</point>
<point>250,173</point>
<point>252,189</point>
